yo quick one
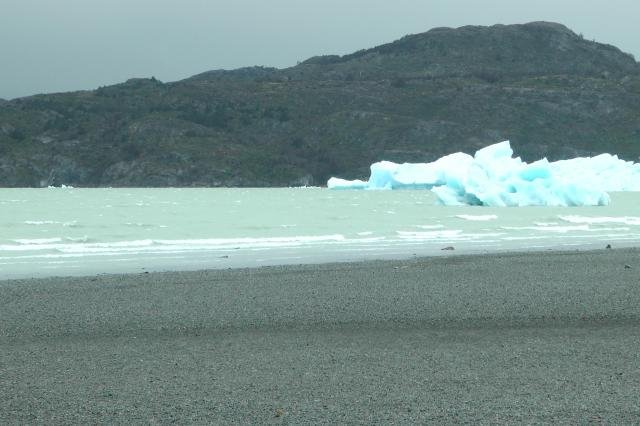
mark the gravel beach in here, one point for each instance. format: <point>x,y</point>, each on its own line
<point>504,338</point>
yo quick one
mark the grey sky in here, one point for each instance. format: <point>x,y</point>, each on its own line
<point>60,45</point>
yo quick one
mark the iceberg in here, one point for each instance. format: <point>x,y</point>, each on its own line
<point>493,177</point>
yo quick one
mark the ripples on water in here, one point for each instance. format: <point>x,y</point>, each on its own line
<point>66,230</point>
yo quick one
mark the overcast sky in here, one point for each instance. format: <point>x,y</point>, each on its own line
<point>60,45</point>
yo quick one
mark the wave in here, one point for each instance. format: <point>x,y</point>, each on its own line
<point>627,220</point>
<point>447,234</point>
<point>71,223</point>
<point>482,217</point>
<point>36,241</point>
<point>560,229</point>
<point>81,245</point>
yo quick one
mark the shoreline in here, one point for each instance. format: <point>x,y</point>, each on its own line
<point>542,269</point>
<point>519,337</point>
<point>285,257</point>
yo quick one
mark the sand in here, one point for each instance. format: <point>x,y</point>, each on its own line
<point>524,337</point>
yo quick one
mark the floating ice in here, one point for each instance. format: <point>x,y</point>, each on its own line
<point>63,186</point>
<point>337,183</point>
<point>492,177</point>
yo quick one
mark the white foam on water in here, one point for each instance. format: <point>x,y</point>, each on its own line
<point>140,225</point>
<point>483,217</point>
<point>54,244</point>
<point>447,234</point>
<point>560,229</point>
<point>366,240</point>
<point>627,220</point>
<point>83,239</point>
<point>37,241</point>
<point>72,256</point>
<point>248,240</point>
<point>539,237</point>
<point>71,223</point>
<point>624,238</point>
<point>149,245</point>
<point>429,226</point>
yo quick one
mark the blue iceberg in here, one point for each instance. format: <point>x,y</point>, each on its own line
<point>492,177</point>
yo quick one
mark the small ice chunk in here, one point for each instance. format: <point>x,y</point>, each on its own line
<point>337,183</point>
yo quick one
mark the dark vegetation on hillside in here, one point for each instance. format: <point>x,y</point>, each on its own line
<point>548,90</point>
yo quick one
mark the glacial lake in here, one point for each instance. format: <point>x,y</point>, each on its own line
<point>69,231</point>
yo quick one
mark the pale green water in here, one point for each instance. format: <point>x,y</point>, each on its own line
<point>74,231</point>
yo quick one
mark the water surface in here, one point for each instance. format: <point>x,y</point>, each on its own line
<point>65,231</point>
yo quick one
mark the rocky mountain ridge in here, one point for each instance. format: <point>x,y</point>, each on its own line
<point>547,89</point>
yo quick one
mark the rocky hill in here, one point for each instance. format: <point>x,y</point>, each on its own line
<point>548,90</point>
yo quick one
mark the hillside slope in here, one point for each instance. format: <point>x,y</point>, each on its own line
<point>548,90</point>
